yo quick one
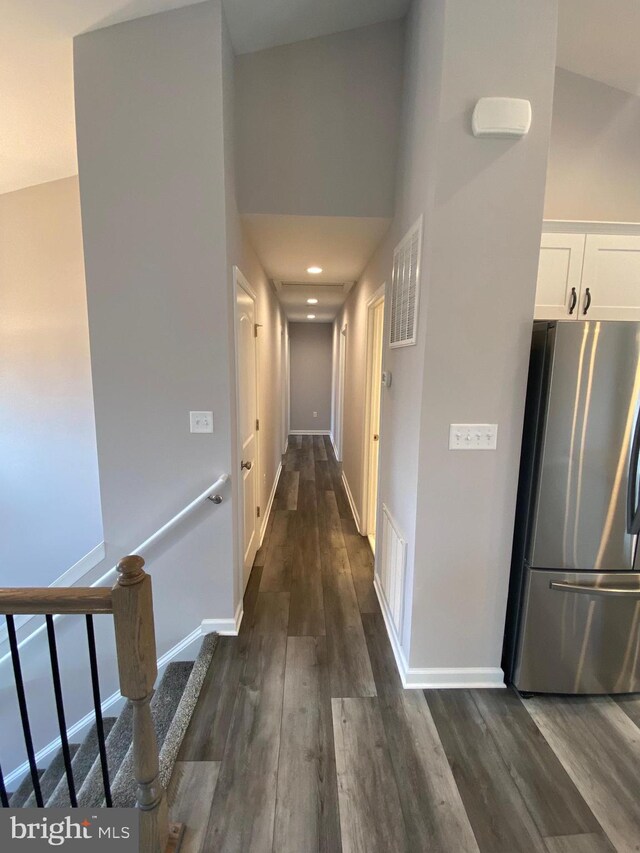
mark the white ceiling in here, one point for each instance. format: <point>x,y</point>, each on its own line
<point>601,39</point>
<point>340,245</point>
<point>598,38</point>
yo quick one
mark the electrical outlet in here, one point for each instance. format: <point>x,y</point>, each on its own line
<point>201,421</point>
<point>315,414</point>
<point>473,436</point>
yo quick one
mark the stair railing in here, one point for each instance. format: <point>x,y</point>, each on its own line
<point>130,602</point>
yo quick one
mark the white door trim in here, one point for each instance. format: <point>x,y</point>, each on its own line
<point>372,304</point>
<point>239,281</point>
<point>338,439</point>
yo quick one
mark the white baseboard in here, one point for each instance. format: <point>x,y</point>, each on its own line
<point>309,432</point>
<point>352,503</point>
<point>111,704</point>
<point>267,512</point>
<point>445,678</point>
<point>226,627</point>
<point>435,678</point>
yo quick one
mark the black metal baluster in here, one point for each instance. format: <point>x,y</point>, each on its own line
<point>4,799</point>
<point>24,713</point>
<point>93,660</point>
<point>62,725</point>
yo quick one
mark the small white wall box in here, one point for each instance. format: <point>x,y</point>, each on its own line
<point>501,117</point>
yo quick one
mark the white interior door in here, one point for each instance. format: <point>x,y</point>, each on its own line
<point>375,378</point>
<point>247,379</point>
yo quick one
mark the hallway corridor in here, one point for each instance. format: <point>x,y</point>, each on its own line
<point>303,739</point>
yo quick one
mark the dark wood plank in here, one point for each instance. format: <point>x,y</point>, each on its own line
<point>307,817</point>
<point>287,492</point>
<point>348,657</point>
<point>371,818</point>
<point>243,809</point>
<point>319,449</point>
<point>595,843</point>
<point>206,736</point>
<point>264,547</point>
<point>553,800</point>
<point>307,617</point>
<point>434,815</point>
<point>276,572</point>
<point>361,562</point>
<point>324,482</point>
<point>332,529</point>
<point>499,816</point>
<point>307,459</point>
<point>630,704</point>
<point>599,747</point>
<point>190,794</point>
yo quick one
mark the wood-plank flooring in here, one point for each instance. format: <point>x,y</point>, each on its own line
<point>304,740</point>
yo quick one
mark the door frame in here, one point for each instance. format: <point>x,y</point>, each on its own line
<point>338,420</point>
<point>372,304</point>
<point>240,282</point>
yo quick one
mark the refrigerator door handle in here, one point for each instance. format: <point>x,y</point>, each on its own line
<point>633,510</point>
<point>590,589</point>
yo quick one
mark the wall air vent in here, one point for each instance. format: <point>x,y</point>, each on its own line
<point>405,284</point>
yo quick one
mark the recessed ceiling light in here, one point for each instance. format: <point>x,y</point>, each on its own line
<point>311,316</point>
<point>312,301</point>
<point>314,270</point>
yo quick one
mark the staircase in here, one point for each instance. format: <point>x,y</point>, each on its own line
<point>171,709</point>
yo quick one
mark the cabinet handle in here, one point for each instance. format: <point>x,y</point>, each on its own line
<point>573,301</point>
<point>587,300</point>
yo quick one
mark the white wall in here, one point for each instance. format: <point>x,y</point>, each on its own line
<point>49,495</point>
<point>161,235</point>
<point>318,124</point>
<point>482,205</point>
<point>311,370</point>
<point>594,159</point>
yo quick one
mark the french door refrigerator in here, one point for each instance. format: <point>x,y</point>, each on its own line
<point>573,620</point>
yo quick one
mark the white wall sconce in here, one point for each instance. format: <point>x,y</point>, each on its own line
<point>501,117</point>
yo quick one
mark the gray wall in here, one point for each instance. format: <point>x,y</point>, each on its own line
<point>482,203</point>
<point>318,124</point>
<point>594,160</point>
<point>50,496</point>
<point>310,355</point>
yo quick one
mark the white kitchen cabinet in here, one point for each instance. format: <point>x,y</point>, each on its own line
<point>611,278</point>
<point>589,276</point>
<point>559,274</point>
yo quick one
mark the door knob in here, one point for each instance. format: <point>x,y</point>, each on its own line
<point>246,465</point>
<point>375,437</point>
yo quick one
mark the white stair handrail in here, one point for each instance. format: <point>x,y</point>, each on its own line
<point>208,494</point>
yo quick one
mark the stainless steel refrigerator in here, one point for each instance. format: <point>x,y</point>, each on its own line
<point>573,620</point>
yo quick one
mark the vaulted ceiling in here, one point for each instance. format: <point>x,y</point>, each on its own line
<point>597,38</point>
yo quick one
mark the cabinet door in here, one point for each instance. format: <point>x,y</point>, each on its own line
<point>611,278</point>
<point>559,273</point>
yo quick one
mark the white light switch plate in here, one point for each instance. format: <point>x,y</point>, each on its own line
<point>201,421</point>
<point>473,436</point>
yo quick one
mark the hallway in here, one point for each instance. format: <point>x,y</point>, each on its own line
<point>303,739</point>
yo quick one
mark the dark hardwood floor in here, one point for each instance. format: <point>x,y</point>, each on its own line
<point>303,739</point>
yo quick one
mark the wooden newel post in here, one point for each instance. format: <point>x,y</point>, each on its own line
<point>136,648</point>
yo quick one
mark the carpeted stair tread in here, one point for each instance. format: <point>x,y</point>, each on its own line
<point>91,792</point>
<point>81,765</point>
<point>180,723</point>
<point>51,776</point>
<point>164,704</point>
<point>23,791</point>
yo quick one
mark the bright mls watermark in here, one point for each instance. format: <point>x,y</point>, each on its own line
<point>34,830</point>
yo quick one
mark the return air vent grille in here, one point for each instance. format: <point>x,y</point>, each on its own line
<point>313,285</point>
<point>405,285</point>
